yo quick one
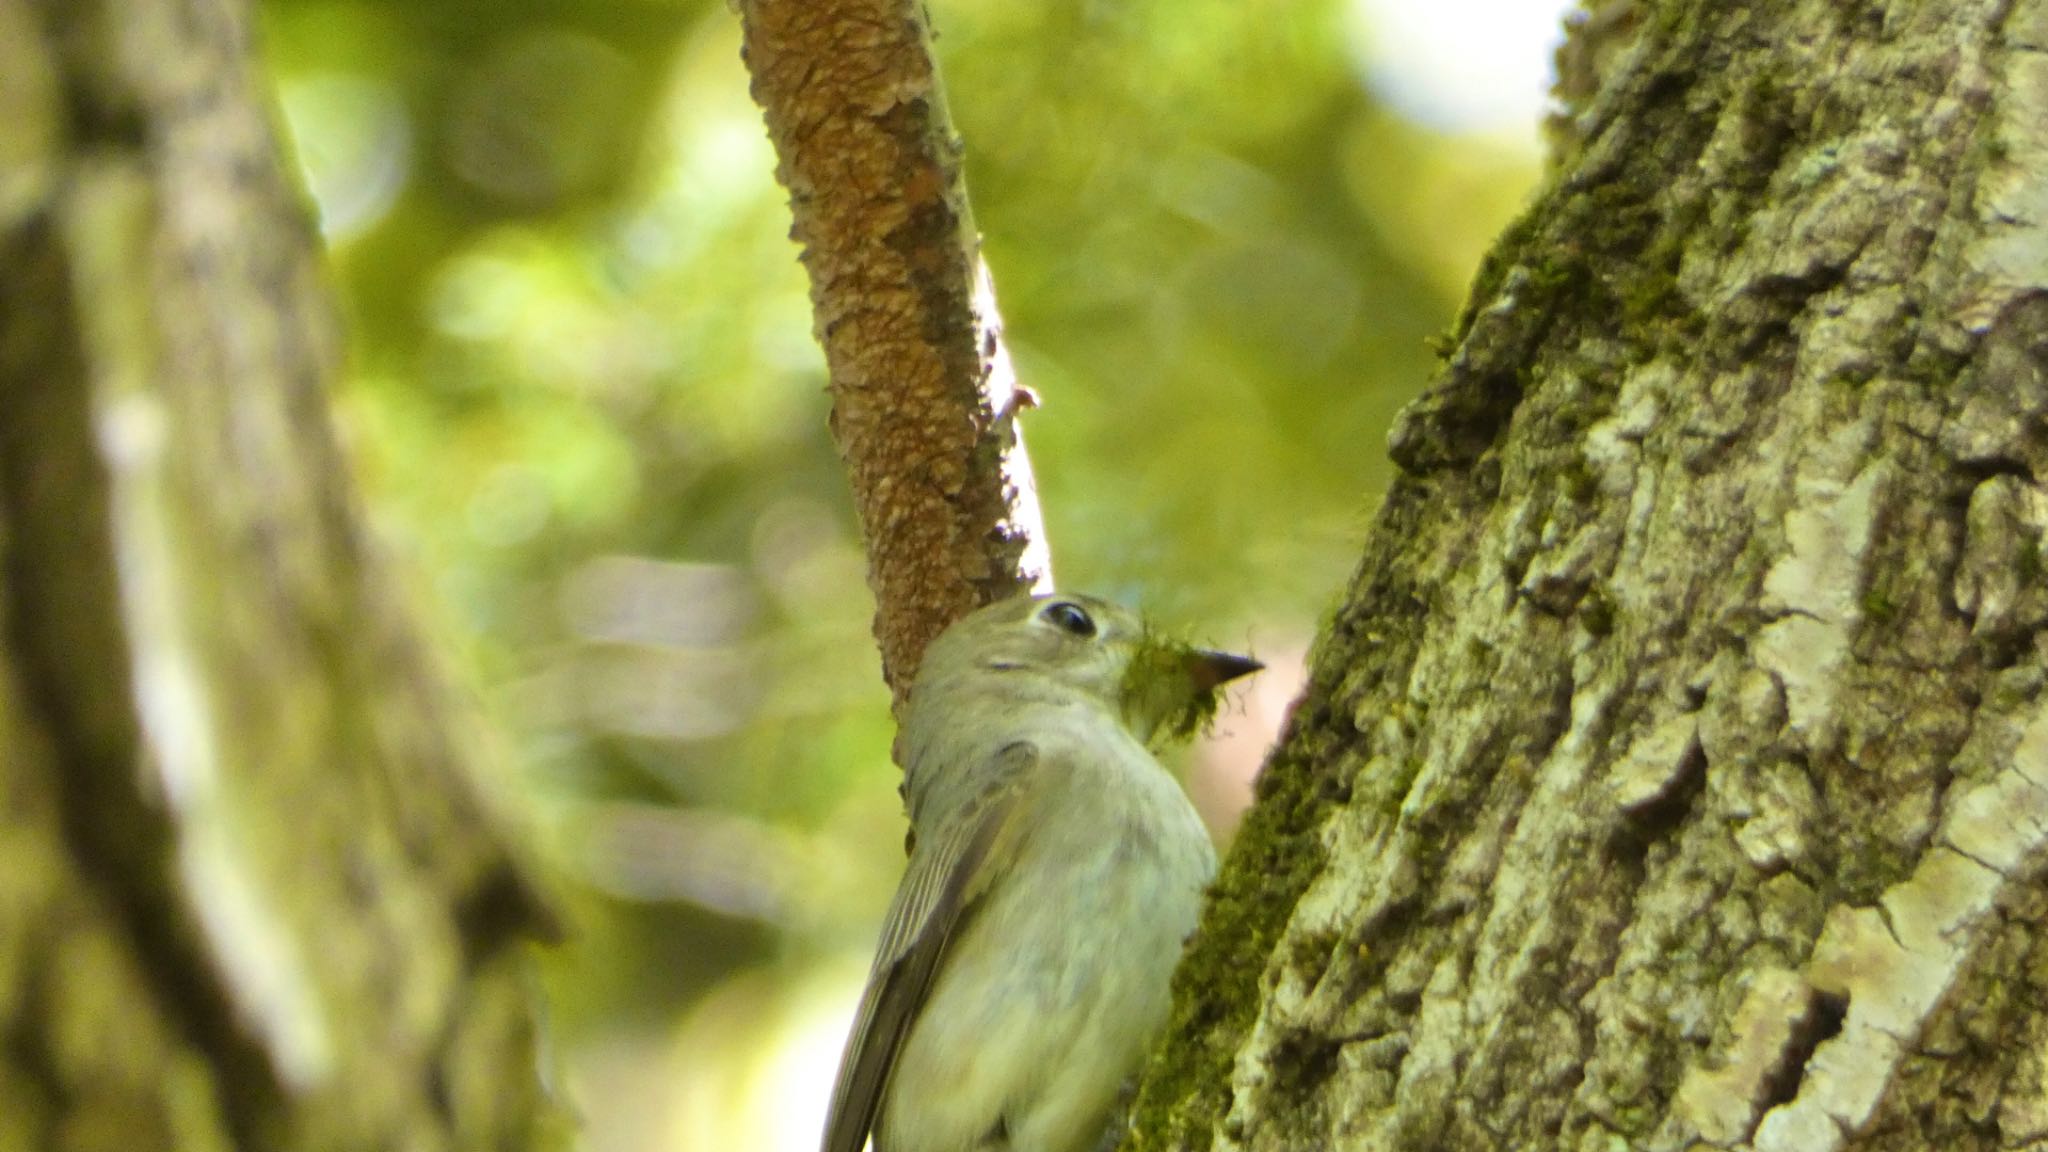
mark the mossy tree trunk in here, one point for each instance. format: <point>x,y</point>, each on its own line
<point>249,897</point>
<point>1675,772</point>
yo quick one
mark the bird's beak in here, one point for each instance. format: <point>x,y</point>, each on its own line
<point>1209,669</point>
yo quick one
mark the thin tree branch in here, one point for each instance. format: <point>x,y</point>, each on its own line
<point>923,398</point>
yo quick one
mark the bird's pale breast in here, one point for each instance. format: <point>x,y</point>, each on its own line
<point>1050,993</point>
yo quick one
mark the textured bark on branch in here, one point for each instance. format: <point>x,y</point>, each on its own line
<point>1676,771</point>
<point>923,400</point>
<point>249,898</point>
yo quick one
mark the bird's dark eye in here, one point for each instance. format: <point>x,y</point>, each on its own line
<point>1069,618</point>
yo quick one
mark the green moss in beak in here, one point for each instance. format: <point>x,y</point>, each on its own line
<point>1169,687</point>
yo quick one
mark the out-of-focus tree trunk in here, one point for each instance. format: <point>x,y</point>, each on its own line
<point>1675,773</point>
<point>249,895</point>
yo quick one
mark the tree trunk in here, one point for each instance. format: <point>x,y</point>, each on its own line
<point>249,896</point>
<point>1675,773</point>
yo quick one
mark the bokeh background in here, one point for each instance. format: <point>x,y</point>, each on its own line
<point>590,419</point>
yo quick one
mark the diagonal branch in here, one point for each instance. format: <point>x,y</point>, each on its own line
<point>923,398</point>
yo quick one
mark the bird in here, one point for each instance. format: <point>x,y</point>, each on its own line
<point>1055,871</point>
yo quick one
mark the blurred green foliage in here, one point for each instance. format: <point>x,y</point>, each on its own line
<point>587,405</point>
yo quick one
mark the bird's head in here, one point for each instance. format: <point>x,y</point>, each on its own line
<point>1065,643</point>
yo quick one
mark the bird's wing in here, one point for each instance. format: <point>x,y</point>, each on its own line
<point>946,875</point>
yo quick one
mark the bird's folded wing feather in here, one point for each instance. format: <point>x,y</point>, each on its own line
<point>947,873</point>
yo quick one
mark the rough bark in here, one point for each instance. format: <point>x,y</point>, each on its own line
<point>1675,773</point>
<point>249,897</point>
<point>924,403</point>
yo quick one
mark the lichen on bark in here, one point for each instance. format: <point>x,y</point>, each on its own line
<point>1666,776</point>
